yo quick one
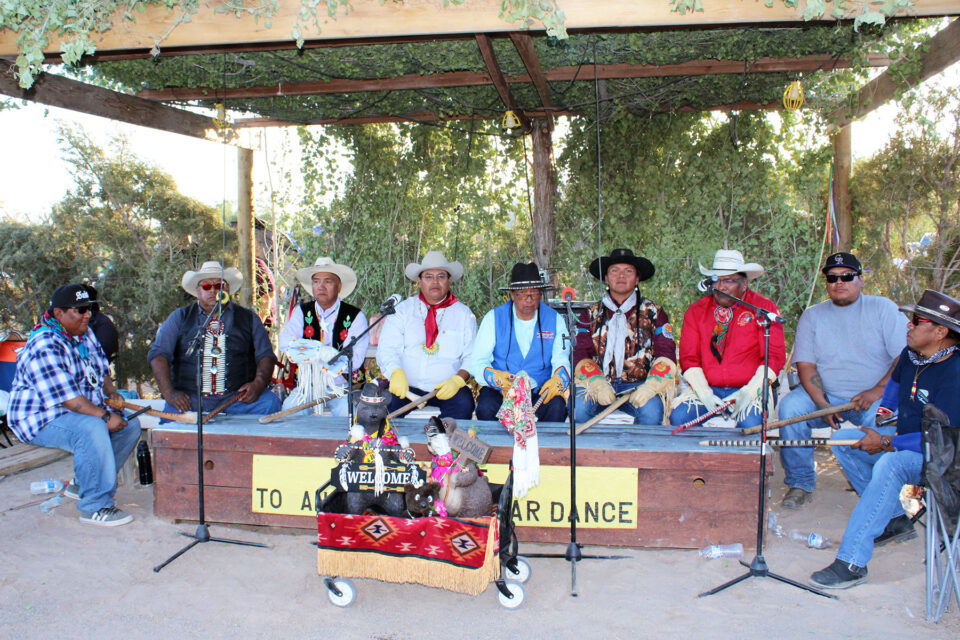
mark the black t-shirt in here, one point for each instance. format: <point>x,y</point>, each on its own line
<point>937,383</point>
<point>106,333</point>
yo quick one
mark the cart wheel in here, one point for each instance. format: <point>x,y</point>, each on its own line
<point>522,574</point>
<point>348,592</point>
<point>516,590</point>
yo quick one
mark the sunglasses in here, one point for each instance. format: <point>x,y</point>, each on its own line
<point>916,320</point>
<point>843,277</point>
<point>207,286</point>
<point>84,309</point>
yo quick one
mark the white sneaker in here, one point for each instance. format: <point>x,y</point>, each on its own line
<point>107,517</point>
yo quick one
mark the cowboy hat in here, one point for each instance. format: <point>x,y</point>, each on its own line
<point>645,269</point>
<point>938,308</point>
<point>728,261</point>
<point>210,270</point>
<point>348,278</point>
<point>526,276</point>
<point>433,260</point>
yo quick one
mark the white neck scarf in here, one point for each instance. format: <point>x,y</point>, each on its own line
<point>325,318</point>
<point>617,331</point>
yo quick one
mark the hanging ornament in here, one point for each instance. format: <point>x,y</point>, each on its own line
<point>220,121</point>
<point>793,96</point>
<point>510,120</point>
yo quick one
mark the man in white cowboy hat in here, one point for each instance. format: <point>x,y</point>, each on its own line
<point>627,344</point>
<point>328,319</point>
<point>721,345</point>
<point>845,349</point>
<point>427,343</point>
<point>523,334</point>
<point>236,348</point>
<point>886,458</point>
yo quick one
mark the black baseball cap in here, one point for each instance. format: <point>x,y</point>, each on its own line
<point>71,296</point>
<point>842,259</point>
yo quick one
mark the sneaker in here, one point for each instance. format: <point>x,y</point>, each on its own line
<point>839,575</point>
<point>796,498</point>
<point>72,491</point>
<point>107,517</point>
<point>899,529</point>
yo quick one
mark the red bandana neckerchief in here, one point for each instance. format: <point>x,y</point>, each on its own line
<point>430,324</point>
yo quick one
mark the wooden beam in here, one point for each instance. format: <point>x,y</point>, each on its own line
<point>499,82</point>
<point>369,19</point>
<point>524,45</point>
<point>841,181</point>
<point>246,233</point>
<point>941,51</point>
<point>477,78</point>
<point>544,190</point>
<point>57,91</point>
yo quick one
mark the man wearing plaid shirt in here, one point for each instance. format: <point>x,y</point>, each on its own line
<point>57,400</point>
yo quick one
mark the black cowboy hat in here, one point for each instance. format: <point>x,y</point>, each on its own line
<point>526,276</point>
<point>645,269</point>
<point>938,308</point>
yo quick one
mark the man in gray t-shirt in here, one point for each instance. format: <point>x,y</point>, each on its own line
<point>845,349</point>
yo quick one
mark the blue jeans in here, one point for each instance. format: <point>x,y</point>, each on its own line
<point>267,403</point>
<point>97,454</point>
<point>338,407</point>
<point>650,413</point>
<point>490,399</point>
<point>878,478</point>
<point>798,461</point>
<point>459,407</point>
<point>687,411</point>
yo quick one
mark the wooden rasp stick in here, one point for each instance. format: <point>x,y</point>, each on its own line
<point>819,413</point>
<point>190,417</point>
<point>616,404</point>
<point>292,410</point>
<point>222,407</point>
<point>413,405</point>
<point>812,442</point>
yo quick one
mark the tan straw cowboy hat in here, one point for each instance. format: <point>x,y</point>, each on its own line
<point>729,261</point>
<point>434,260</point>
<point>348,278</point>
<point>210,270</point>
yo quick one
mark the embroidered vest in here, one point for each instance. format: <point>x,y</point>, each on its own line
<point>240,357</point>
<point>638,347</point>
<point>345,317</point>
<point>506,350</point>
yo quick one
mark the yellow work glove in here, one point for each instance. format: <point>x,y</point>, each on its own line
<point>555,385</point>
<point>662,374</point>
<point>398,383</point>
<point>498,379</point>
<point>449,387</point>
<point>589,377</point>
<point>698,383</point>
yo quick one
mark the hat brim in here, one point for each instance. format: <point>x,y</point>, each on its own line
<point>751,269</point>
<point>644,267</point>
<point>348,277</point>
<point>230,275</point>
<point>933,316</point>
<point>414,269</point>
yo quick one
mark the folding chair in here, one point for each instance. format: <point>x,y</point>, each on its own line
<point>941,471</point>
<point>943,560</point>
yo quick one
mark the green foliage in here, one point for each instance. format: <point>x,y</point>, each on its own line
<point>124,228</point>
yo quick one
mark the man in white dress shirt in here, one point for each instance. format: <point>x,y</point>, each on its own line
<point>428,342</point>
<point>328,319</point>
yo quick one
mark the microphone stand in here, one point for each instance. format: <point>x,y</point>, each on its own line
<point>202,533</point>
<point>758,566</point>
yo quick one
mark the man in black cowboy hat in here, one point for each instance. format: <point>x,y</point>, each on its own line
<point>628,343</point>
<point>927,372</point>
<point>523,334</point>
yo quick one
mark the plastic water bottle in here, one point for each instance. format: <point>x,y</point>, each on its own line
<point>734,550</point>
<point>774,526</point>
<point>48,485</point>
<point>813,540</point>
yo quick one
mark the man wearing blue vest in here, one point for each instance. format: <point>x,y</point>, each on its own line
<point>523,334</point>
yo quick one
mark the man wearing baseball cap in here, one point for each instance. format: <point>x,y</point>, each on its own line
<point>844,351</point>
<point>58,398</point>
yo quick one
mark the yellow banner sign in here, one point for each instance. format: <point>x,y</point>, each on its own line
<point>606,496</point>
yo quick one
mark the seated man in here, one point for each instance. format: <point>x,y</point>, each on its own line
<point>238,357</point>
<point>526,335</point>
<point>627,344</point>
<point>927,372</point>
<point>58,400</point>
<point>721,345</point>
<point>329,320</point>
<point>845,349</point>
<point>427,343</point>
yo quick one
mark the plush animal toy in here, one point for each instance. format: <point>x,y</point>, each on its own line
<point>464,491</point>
<point>421,501</point>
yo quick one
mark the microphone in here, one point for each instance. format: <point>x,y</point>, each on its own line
<point>568,294</point>
<point>390,303</point>
<point>706,285</point>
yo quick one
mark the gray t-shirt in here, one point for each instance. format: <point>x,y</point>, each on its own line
<point>854,346</point>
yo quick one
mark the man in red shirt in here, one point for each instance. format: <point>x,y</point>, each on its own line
<point>721,346</point>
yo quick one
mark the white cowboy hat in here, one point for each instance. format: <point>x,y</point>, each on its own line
<point>727,261</point>
<point>348,278</point>
<point>209,270</point>
<point>434,260</point>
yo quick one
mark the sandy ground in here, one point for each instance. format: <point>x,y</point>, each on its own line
<point>60,578</point>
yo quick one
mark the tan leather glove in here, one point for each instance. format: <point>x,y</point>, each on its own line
<point>498,379</point>
<point>555,385</point>
<point>589,376</point>
<point>449,387</point>
<point>698,382</point>
<point>663,372</point>
<point>748,393</point>
<point>398,383</point>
